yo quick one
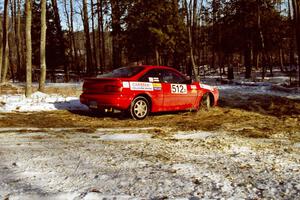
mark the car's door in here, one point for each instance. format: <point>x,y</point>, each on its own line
<point>153,76</point>
<point>178,93</point>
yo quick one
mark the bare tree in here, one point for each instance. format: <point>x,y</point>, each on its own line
<point>28,89</point>
<point>43,47</point>
<point>61,37</point>
<point>262,41</point>
<point>101,34</point>
<point>296,9</point>
<point>116,33</point>
<point>189,14</point>
<point>18,39</point>
<point>10,54</point>
<point>3,71</point>
<point>95,61</point>
<point>11,38</point>
<point>90,67</point>
<point>1,49</point>
<point>73,44</point>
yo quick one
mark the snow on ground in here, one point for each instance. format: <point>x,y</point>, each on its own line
<point>263,89</point>
<point>39,102</point>
<point>193,135</point>
<point>84,167</point>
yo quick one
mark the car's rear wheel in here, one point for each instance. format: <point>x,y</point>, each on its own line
<point>139,108</point>
<point>205,102</point>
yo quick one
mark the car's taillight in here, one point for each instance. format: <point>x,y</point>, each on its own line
<point>113,88</point>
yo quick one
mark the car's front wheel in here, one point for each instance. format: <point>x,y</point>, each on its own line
<point>205,102</point>
<point>139,108</point>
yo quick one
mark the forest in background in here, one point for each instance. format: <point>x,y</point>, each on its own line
<point>41,39</point>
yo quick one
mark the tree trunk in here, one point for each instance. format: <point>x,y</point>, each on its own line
<point>43,47</point>
<point>71,63</point>
<point>28,89</point>
<point>90,67</point>
<point>10,54</point>
<point>116,33</point>
<point>61,38</point>
<point>103,37</point>
<point>1,49</point>
<point>3,71</point>
<point>296,8</point>
<point>18,41</point>
<point>198,33</point>
<point>11,39</point>
<point>191,50</point>
<point>281,61</point>
<point>230,73</point>
<point>157,57</point>
<point>94,52</point>
<point>194,28</point>
<point>247,60</point>
<point>262,40</point>
<point>74,49</point>
<point>214,13</point>
<point>100,34</point>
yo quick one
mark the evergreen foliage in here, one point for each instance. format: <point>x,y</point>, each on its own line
<point>219,34</point>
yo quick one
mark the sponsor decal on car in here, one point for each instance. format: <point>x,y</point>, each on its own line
<point>204,86</point>
<point>193,87</point>
<point>141,86</point>
<point>153,79</point>
<point>125,84</point>
<point>156,86</point>
<point>178,89</point>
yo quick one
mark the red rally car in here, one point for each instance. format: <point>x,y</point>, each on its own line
<point>144,89</point>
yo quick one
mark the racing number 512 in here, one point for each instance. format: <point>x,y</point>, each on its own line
<point>178,88</point>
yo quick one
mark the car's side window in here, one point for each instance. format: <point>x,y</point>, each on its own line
<point>153,75</point>
<point>172,77</point>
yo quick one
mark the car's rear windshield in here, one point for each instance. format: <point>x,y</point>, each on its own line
<point>124,72</point>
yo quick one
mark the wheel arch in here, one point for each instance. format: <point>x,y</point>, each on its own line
<point>147,96</point>
<point>211,98</point>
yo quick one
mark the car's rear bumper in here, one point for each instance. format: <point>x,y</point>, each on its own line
<point>106,101</point>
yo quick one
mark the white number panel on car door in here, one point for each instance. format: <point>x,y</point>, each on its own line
<point>178,89</point>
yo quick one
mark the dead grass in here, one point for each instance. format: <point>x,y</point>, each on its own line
<point>236,121</point>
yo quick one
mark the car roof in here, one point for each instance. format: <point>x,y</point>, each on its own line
<point>157,67</point>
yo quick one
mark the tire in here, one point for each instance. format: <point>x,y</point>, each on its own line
<point>205,102</point>
<point>139,108</point>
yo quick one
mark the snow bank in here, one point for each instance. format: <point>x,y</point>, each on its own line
<point>251,88</point>
<point>39,102</point>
